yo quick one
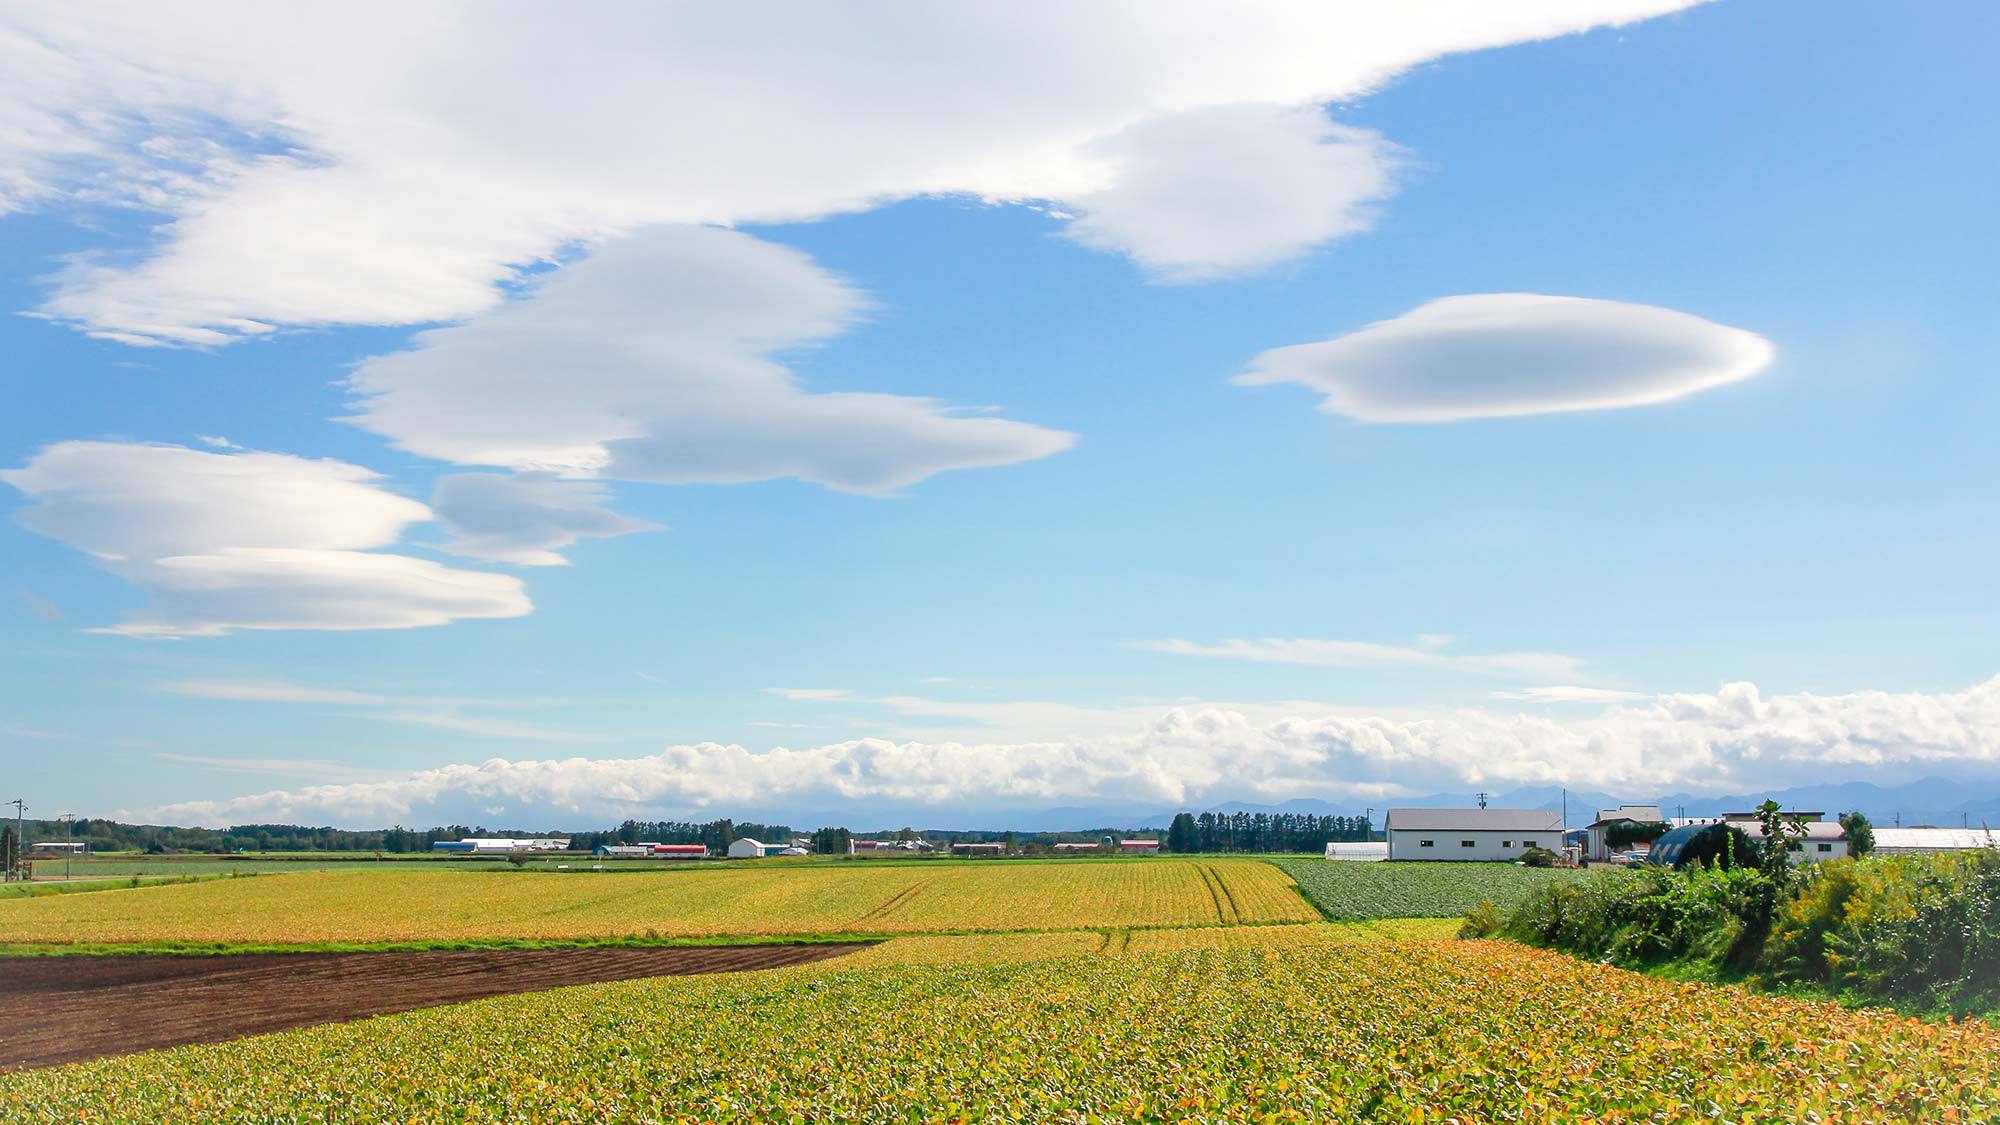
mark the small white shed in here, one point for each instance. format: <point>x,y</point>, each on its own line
<point>746,848</point>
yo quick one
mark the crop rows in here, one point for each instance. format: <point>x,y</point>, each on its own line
<point>1355,891</point>
<point>1045,1028</point>
<point>447,905</point>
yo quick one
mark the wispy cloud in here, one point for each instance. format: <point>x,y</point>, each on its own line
<point>810,694</point>
<point>269,691</point>
<point>442,713</point>
<point>472,724</point>
<point>309,769</point>
<point>1428,652</point>
<point>1569,693</point>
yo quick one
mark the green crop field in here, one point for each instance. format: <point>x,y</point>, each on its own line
<point>1354,890</point>
<point>440,904</point>
<point>1284,1023</point>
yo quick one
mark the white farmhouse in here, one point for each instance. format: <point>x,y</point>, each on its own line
<point>746,848</point>
<point>1471,834</point>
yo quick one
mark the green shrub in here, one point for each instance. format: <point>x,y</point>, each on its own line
<point>1483,920</point>
<point>1538,857</point>
<point>1719,845</point>
<point>1917,932</point>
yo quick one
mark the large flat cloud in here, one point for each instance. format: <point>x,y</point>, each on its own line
<point>652,360</point>
<point>315,170</point>
<point>1492,355</point>
<point>225,541</point>
<point>1734,739</point>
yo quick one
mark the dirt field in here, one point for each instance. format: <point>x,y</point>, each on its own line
<point>65,1009</point>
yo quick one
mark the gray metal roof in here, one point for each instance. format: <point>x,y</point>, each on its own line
<point>1475,820</point>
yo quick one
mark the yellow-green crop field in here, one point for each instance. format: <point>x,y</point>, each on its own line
<point>405,905</point>
<point>1293,1023</point>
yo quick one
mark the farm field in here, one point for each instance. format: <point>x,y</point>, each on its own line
<point>1356,891</point>
<point>1271,1024</point>
<point>444,905</point>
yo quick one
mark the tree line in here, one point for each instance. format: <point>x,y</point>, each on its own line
<point>1262,832</point>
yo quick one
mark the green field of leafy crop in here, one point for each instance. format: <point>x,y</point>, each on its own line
<point>1355,890</point>
<point>439,904</point>
<point>1270,1024</point>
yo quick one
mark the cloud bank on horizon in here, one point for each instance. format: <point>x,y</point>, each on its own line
<point>1735,737</point>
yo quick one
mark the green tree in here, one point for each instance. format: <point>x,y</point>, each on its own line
<point>1181,834</point>
<point>1723,845</point>
<point>1860,833</point>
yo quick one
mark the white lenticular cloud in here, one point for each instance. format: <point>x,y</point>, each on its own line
<point>316,171</point>
<point>526,518</point>
<point>1494,355</point>
<point>651,360</point>
<point>225,541</point>
<point>1733,739</point>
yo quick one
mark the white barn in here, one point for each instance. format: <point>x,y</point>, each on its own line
<point>746,848</point>
<point>1471,835</point>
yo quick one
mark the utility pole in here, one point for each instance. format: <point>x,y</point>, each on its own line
<point>20,838</point>
<point>1482,800</point>
<point>69,844</point>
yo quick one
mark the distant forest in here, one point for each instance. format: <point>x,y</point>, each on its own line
<point>1206,832</point>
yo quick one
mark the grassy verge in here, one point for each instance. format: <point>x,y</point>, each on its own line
<point>85,886</point>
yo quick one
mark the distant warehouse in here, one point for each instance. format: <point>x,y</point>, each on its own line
<point>1466,835</point>
<point>485,845</point>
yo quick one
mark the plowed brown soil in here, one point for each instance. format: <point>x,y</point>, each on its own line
<point>64,1009</point>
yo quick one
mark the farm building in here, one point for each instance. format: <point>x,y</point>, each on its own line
<point>1139,847</point>
<point>746,848</point>
<point>1069,848</point>
<point>1361,850</point>
<point>58,848</point>
<point>1471,835</point>
<point>1597,845</point>
<point>1930,841</point>
<point>1823,840</point>
<point>979,849</point>
<point>492,845</point>
<point>883,847</point>
<point>679,851</point>
<point>626,851</point>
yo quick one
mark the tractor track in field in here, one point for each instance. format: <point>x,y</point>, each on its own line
<point>888,906</point>
<point>67,1009</point>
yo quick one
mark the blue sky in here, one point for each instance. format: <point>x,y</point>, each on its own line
<point>1095,570</point>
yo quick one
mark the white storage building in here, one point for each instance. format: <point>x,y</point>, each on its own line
<point>1930,841</point>
<point>746,848</point>
<point>1471,835</point>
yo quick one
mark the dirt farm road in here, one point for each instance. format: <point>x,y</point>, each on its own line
<point>69,1008</point>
